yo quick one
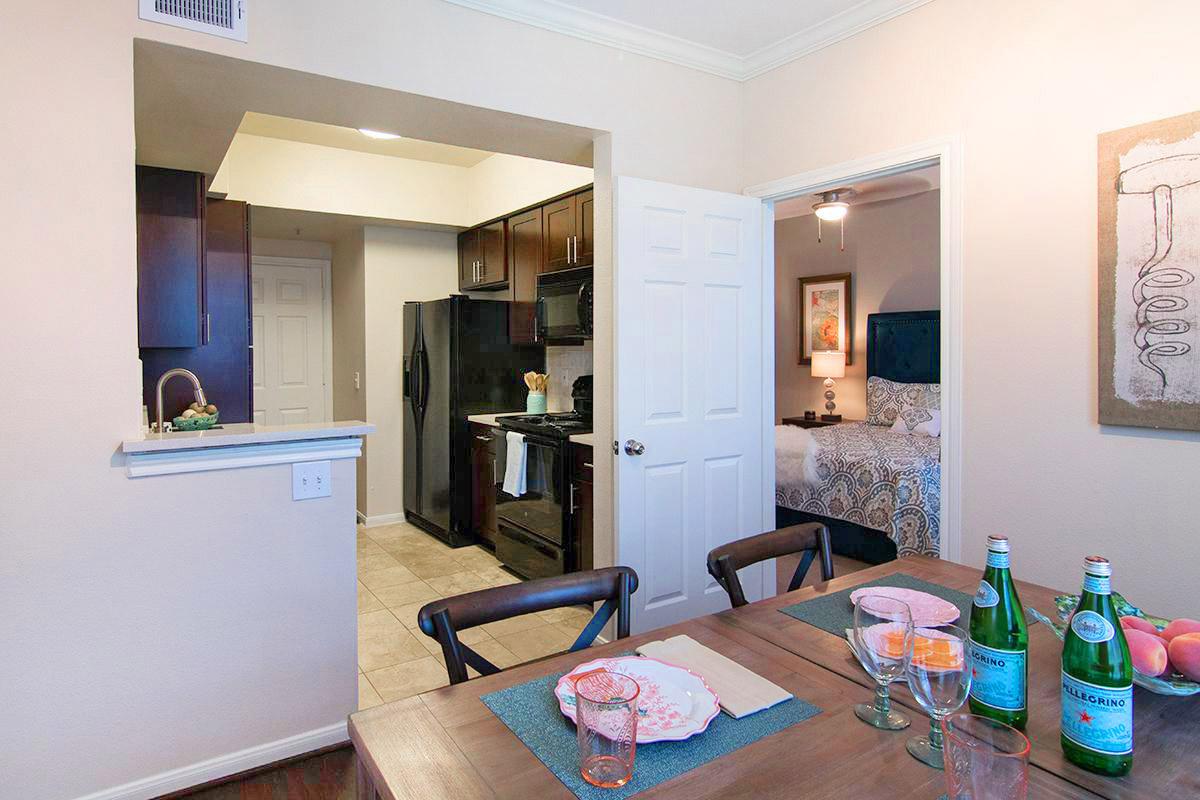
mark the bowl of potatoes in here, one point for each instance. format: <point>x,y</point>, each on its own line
<point>196,418</point>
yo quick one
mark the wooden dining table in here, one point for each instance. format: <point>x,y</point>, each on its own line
<point>447,744</point>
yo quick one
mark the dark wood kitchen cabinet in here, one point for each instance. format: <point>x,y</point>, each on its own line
<point>570,232</point>
<point>524,264</point>
<point>483,484</point>
<point>171,258</point>
<point>224,362</point>
<point>482,258</point>
<point>582,505</point>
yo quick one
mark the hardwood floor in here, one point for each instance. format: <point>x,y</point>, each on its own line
<point>325,776</point>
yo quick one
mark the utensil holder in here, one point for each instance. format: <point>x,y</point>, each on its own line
<point>535,403</point>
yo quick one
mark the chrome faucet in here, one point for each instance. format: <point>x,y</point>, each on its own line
<point>171,373</point>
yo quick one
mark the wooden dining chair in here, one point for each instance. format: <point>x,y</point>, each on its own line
<point>810,540</point>
<point>443,619</point>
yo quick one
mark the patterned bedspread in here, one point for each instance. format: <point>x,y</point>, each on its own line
<point>868,475</point>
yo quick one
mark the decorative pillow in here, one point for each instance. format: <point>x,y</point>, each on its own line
<point>886,399</point>
<point>919,422</point>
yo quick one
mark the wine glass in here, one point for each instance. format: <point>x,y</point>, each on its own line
<point>883,637</point>
<point>939,676</point>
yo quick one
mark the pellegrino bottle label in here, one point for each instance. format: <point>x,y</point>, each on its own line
<point>998,677</point>
<point>1099,718</point>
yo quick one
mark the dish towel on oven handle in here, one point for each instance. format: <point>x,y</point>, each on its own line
<point>514,464</point>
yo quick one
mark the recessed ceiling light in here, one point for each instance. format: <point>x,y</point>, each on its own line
<point>378,134</point>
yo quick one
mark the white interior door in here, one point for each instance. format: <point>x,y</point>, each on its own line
<point>288,313</point>
<point>690,348</point>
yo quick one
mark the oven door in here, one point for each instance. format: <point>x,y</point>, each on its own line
<point>564,305</point>
<point>540,509</point>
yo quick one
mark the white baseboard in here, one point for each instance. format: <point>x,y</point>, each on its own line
<point>224,766</point>
<point>380,519</point>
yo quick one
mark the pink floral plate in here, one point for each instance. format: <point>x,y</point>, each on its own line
<point>927,610</point>
<point>674,703</point>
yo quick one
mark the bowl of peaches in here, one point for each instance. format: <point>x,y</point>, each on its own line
<point>1166,653</point>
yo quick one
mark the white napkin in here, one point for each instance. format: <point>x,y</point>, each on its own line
<point>514,464</point>
<point>739,691</point>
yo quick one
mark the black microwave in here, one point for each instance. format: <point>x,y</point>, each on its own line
<point>564,306</point>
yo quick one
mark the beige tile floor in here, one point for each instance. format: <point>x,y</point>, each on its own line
<point>400,568</point>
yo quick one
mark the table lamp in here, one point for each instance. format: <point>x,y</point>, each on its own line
<point>829,364</point>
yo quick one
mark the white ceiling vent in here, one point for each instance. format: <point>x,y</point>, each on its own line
<point>219,17</point>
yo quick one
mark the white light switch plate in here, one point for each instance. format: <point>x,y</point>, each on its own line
<point>311,479</point>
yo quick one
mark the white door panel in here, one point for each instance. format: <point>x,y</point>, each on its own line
<point>288,323</point>
<point>689,388</point>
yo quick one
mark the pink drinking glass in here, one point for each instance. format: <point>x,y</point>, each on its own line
<point>985,759</point>
<point>606,715</point>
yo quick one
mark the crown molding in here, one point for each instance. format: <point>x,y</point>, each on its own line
<point>600,29</point>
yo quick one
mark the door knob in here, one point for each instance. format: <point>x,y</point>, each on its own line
<point>634,448</point>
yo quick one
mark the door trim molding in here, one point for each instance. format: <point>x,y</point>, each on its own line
<point>947,152</point>
<point>326,313</point>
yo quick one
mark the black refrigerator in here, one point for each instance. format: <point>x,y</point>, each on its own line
<point>458,360</point>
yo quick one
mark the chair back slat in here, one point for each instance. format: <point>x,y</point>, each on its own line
<point>443,619</point>
<point>810,540</point>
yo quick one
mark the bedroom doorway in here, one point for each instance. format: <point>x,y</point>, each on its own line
<point>865,290</point>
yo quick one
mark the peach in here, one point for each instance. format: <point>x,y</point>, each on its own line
<point>1180,626</point>
<point>1138,624</point>
<point>1149,655</point>
<point>1185,655</point>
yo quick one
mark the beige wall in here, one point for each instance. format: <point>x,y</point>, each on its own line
<point>502,183</point>
<point>401,266</point>
<point>348,274</point>
<point>892,255</point>
<point>289,248</point>
<point>1026,86</point>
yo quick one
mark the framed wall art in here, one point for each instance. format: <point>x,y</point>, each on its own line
<point>1149,274</point>
<point>826,316</point>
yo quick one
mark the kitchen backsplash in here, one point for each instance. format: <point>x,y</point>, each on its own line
<point>564,365</point>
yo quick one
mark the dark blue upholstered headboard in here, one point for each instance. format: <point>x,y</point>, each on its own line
<point>905,346</point>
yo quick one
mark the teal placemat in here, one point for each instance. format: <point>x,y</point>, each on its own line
<point>834,613</point>
<point>531,712</point>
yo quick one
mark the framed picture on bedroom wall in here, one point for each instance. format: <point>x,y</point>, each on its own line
<point>826,317</point>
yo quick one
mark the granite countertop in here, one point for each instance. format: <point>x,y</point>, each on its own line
<point>244,433</point>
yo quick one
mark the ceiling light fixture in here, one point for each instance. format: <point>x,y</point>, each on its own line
<point>378,134</point>
<point>832,208</point>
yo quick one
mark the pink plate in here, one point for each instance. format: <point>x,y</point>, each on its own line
<point>927,610</point>
<point>674,703</point>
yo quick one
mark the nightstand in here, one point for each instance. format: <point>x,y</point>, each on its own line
<point>801,422</point>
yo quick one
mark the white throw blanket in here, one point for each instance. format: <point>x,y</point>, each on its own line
<point>514,464</point>
<point>795,456</point>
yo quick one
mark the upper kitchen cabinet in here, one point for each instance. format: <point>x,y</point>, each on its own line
<point>569,232</point>
<point>224,363</point>
<point>524,264</point>
<point>482,263</point>
<point>170,258</point>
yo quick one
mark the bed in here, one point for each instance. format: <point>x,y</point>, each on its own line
<point>879,491</point>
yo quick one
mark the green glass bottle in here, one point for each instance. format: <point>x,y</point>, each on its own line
<point>1097,679</point>
<point>999,643</point>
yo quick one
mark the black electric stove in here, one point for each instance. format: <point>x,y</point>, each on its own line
<point>556,426</point>
<point>534,529</point>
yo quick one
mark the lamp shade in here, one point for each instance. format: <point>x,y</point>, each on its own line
<point>828,364</point>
